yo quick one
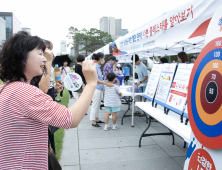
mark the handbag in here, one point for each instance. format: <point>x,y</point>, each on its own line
<point>53,163</point>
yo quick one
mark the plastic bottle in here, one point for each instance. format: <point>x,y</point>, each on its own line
<point>123,84</point>
<point>57,73</point>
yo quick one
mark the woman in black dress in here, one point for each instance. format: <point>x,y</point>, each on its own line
<point>78,70</point>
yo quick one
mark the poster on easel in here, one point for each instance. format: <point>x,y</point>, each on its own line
<point>165,82</point>
<point>153,81</point>
<point>178,92</point>
<point>204,102</point>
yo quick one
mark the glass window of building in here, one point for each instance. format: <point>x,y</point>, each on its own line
<point>8,23</point>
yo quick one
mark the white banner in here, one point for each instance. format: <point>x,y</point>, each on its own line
<point>186,22</point>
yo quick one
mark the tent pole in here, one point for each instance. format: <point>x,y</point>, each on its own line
<point>133,104</point>
<point>169,59</point>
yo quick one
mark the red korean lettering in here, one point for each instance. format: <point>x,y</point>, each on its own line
<point>157,28</point>
<point>178,17</point>
<point>172,21</point>
<point>151,31</point>
<point>145,33</point>
<point>154,29</point>
<point>163,25</point>
<point>190,10</point>
<point>183,16</point>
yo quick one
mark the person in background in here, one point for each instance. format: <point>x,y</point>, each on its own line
<point>163,60</point>
<point>173,61</point>
<point>182,57</point>
<point>115,67</point>
<point>111,101</point>
<point>141,70</point>
<point>46,83</point>
<point>78,70</point>
<point>119,70</point>
<point>64,71</point>
<point>94,114</point>
<point>193,59</point>
<point>25,119</point>
<point>108,67</point>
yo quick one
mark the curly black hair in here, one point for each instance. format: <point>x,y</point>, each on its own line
<point>14,54</point>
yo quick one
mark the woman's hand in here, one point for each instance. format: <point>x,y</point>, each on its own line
<point>89,72</point>
<point>48,54</point>
<point>109,84</point>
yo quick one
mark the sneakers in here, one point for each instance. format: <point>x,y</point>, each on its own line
<point>61,97</point>
<point>96,125</point>
<point>71,97</point>
<point>99,121</point>
<point>115,127</point>
<point>107,127</point>
<point>57,100</point>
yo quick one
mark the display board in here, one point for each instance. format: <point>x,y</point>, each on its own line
<point>164,84</point>
<point>178,92</point>
<point>153,81</point>
<point>205,104</point>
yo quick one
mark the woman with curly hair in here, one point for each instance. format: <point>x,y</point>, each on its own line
<point>25,111</point>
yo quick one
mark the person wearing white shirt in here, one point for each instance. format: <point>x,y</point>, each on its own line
<point>64,71</point>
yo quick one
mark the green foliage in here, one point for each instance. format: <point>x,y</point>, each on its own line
<point>59,134</point>
<point>0,81</point>
<point>88,40</point>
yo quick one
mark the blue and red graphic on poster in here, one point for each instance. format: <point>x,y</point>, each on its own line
<point>113,49</point>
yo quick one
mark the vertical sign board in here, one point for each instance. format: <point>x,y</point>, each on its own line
<point>178,93</point>
<point>164,84</point>
<point>204,102</point>
<point>153,81</point>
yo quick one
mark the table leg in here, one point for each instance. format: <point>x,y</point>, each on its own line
<point>154,134</point>
<point>128,102</point>
<point>149,122</point>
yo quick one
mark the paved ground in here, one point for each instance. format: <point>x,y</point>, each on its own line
<point>87,148</point>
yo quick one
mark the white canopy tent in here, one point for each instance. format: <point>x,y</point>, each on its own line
<point>182,29</point>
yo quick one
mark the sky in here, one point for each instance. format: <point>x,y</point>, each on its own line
<point>50,19</point>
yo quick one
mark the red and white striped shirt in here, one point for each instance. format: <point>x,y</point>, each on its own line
<point>25,112</point>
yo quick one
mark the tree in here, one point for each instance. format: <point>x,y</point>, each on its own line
<point>88,40</point>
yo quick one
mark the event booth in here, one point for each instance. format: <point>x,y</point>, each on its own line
<point>183,97</point>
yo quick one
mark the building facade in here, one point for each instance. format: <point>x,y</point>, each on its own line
<point>124,32</point>
<point>118,27</point>
<point>2,32</point>
<point>104,24</point>
<point>12,24</point>
<point>63,46</point>
<point>111,25</point>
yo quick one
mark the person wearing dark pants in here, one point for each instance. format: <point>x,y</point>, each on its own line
<point>64,71</point>
<point>61,94</point>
